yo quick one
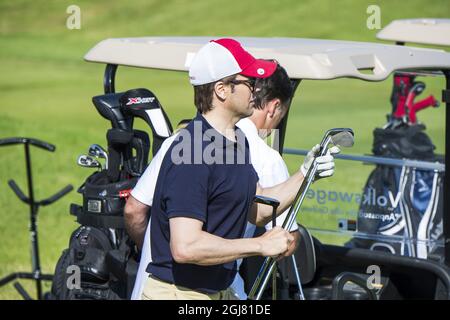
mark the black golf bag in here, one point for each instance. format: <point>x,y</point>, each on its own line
<point>101,261</point>
<point>401,208</point>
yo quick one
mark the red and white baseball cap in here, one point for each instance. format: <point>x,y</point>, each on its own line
<point>224,57</point>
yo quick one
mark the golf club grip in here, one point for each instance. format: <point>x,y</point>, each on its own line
<point>57,195</point>
<point>274,217</point>
<point>422,104</point>
<point>425,103</point>
<point>17,191</point>
<point>35,142</point>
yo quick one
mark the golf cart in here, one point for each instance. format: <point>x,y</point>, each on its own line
<point>422,31</point>
<point>327,269</point>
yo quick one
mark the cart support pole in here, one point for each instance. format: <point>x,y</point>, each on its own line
<point>446,216</point>
<point>109,79</point>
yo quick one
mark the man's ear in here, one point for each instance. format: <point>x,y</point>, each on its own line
<point>220,90</point>
<point>272,107</point>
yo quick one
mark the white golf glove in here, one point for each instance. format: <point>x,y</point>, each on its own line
<point>325,163</point>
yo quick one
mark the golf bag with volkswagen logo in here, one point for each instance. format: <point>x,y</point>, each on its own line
<point>101,261</point>
<point>402,207</point>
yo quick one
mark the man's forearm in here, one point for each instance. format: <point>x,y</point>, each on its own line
<point>284,192</point>
<point>135,216</point>
<point>136,229</point>
<point>208,249</point>
<point>190,244</point>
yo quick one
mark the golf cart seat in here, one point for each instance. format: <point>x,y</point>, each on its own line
<point>305,258</point>
<point>404,277</point>
<point>112,107</point>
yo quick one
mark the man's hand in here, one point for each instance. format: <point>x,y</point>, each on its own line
<point>294,244</point>
<point>325,163</point>
<point>275,242</point>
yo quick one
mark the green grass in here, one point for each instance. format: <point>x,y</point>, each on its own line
<point>46,90</point>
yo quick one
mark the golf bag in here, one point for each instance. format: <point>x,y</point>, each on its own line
<point>401,209</point>
<point>101,261</point>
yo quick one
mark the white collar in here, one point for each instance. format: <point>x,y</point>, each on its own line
<point>247,126</point>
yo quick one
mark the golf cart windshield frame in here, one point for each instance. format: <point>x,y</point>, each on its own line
<point>333,59</point>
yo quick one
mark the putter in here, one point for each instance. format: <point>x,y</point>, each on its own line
<point>97,151</point>
<point>343,137</point>
<point>88,162</point>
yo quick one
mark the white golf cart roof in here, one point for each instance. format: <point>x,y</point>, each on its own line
<point>426,31</point>
<point>302,58</point>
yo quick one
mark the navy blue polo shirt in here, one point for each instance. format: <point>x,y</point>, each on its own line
<point>207,177</point>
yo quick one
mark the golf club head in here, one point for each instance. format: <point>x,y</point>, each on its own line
<point>97,151</point>
<point>342,137</point>
<point>88,162</point>
<point>417,88</point>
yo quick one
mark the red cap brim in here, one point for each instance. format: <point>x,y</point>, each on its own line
<point>260,69</point>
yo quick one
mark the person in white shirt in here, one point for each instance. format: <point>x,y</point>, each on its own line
<point>272,99</point>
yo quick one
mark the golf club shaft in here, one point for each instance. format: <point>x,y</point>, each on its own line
<point>307,181</point>
<point>338,136</point>
<point>297,277</point>
<point>274,284</point>
<point>267,268</point>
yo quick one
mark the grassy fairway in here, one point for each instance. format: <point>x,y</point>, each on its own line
<point>46,90</point>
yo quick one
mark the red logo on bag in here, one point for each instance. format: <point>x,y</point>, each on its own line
<point>125,193</point>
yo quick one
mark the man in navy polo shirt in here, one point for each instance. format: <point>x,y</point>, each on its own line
<point>206,184</point>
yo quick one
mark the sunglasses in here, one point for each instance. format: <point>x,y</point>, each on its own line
<point>250,83</point>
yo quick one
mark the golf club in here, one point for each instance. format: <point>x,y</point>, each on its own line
<point>88,162</point>
<point>97,151</point>
<point>343,137</point>
<point>301,296</point>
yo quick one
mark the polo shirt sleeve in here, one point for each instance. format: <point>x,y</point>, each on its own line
<point>145,187</point>
<point>186,191</point>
